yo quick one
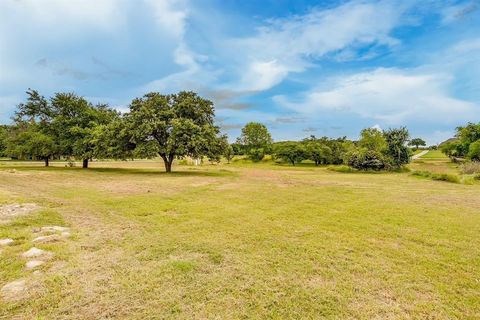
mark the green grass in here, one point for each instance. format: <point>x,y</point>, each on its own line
<point>244,240</point>
<point>434,154</point>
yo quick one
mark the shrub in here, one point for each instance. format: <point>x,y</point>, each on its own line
<point>256,154</point>
<point>343,169</point>
<point>364,159</point>
<point>477,176</point>
<point>474,151</point>
<point>470,167</point>
<point>437,176</point>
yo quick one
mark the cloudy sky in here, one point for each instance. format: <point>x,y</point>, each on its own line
<point>301,67</point>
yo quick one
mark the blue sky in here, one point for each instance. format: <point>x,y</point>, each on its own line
<point>301,67</point>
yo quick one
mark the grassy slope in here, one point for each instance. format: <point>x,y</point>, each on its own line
<point>247,241</point>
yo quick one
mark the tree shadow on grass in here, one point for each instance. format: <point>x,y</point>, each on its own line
<point>180,172</point>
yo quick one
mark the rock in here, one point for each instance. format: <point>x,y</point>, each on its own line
<point>32,264</point>
<point>55,229</point>
<point>14,290</point>
<point>6,242</point>
<point>10,211</point>
<point>65,234</point>
<point>37,273</point>
<point>46,239</point>
<point>35,252</point>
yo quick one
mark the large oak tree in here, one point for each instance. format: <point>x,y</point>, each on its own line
<point>174,125</point>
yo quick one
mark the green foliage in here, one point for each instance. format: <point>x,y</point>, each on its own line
<point>290,151</point>
<point>31,143</point>
<point>460,146</point>
<point>228,153</point>
<point>437,176</point>
<point>175,125</point>
<point>318,151</point>
<point>417,142</point>
<point>397,151</point>
<point>366,159</point>
<point>4,132</point>
<point>342,169</point>
<point>474,151</point>
<point>372,139</point>
<point>255,140</point>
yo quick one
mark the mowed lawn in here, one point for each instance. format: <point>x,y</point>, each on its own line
<point>241,242</point>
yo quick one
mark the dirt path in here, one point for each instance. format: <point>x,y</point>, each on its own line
<point>418,155</point>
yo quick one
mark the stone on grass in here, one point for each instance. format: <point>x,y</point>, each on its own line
<point>65,234</point>
<point>6,242</point>
<point>47,239</point>
<point>14,290</point>
<point>10,211</point>
<point>32,264</point>
<point>35,252</point>
<point>55,229</point>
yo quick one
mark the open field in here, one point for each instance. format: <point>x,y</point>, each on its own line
<point>242,241</point>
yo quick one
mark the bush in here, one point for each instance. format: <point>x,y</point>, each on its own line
<point>364,159</point>
<point>474,151</point>
<point>477,176</point>
<point>437,176</point>
<point>470,167</point>
<point>342,169</point>
<point>256,154</point>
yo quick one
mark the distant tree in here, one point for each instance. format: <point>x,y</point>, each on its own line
<point>372,139</point>
<point>238,148</point>
<point>76,123</point>
<point>291,151</point>
<point>417,142</point>
<point>31,143</point>
<point>176,125</point>
<point>229,153</point>
<point>397,150</point>
<point>217,148</point>
<point>474,151</point>
<point>318,151</point>
<point>4,133</point>
<point>256,140</point>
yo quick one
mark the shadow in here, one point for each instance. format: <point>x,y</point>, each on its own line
<point>180,172</point>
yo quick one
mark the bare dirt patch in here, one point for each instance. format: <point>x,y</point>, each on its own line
<point>10,211</point>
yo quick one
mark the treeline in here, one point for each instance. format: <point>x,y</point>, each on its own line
<point>465,144</point>
<point>68,126</point>
<point>376,150</point>
<point>175,126</point>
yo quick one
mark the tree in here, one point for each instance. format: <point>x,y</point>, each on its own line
<point>396,146</point>
<point>256,140</point>
<point>372,139</point>
<point>318,151</point>
<point>76,123</point>
<point>417,142</point>
<point>291,151</point>
<point>32,143</point>
<point>229,153</point>
<point>4,130</point>
<point>474,151</point>
<point>175,125</point>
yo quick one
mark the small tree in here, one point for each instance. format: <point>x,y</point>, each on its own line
<point>396,146</point>
<point>372,139</point>
<point>4,131</point>
<point>417,142</point>
<point>174,125</point>
<point>293,152</point>
<point>256,140</point>
<point>228,153</point>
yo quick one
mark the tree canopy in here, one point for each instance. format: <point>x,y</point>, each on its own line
<point>256,140</point>
<point>417,142</point>
<point>174,125</point>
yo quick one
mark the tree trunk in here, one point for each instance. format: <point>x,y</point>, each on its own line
<point>168,162</point>
<point>85,163</point>
<point>46,162</point>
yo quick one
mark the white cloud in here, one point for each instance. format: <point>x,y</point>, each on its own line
<point>291,44</point>
<point>170,15</point>
<point>390,95</point>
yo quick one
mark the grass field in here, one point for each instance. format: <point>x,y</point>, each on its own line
<point>243,241</point>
